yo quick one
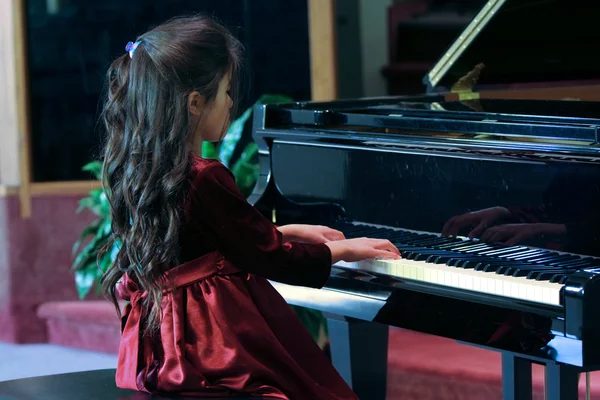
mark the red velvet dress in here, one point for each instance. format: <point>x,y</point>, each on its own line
<point>225,330</point>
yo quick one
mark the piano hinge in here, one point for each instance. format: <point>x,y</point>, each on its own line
<point>464,86</point>
<point>462,96</point>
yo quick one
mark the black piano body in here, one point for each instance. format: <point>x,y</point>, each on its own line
<point>401,168</point>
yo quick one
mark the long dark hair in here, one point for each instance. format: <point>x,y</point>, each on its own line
<point>149,141</point>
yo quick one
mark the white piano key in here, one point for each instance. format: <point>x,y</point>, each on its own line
<point>466,279</point>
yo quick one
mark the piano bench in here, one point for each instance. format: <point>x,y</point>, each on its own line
<point>427,367</point>
<point>87,385</point>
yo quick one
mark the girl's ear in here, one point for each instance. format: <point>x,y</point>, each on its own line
<point>196,103</point>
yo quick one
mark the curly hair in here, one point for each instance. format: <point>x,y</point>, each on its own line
<point>149,140</point>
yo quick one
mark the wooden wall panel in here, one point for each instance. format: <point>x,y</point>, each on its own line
<point>9,131</point>
<point>15,159</point>
<point>323,53</point>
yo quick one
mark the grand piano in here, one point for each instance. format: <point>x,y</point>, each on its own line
<point>494,204</point>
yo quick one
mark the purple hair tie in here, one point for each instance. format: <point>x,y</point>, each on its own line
<point>131,47</point>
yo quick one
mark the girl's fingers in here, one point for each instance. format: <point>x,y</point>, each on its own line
<point>387,254</point>
<point>386,245</point>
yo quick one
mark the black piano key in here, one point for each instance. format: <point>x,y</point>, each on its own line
<point>441,258</point>
<point>492,266</point>
<point>504,250</point>
<point>579,265</point>
<point>551,258</point>
<point>563,279</point>
<point>592,262</point>
<point>459,243</point>
<point>441,241</point>
<point>520,254</point>
<point>509,269</point>
<point>489,267</point>
<point>429,258</point>
<point>519,272</point>
<point>570,260</point>
<point>546,276</point>
<point>462,247</point>
<point>410,253</point>
<point>530,255</point>
<point>468,261</point>
<point>465,263</point>
<point>475,249</point>
<point>425,254</point>
<point>503,270</point>
<point>524,270</point>
<point>457,262</point>
<point>416,239</point>
<point>405,239</point>
<point>430,242</point>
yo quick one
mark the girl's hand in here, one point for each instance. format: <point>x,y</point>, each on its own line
<point>314,234</point>
<point>361,249</point>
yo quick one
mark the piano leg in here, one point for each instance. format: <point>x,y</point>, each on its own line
<point>359,353</point>
<point>516,377</point>
<point>562,382</point>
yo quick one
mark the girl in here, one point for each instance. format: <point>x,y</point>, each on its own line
<point>202,319</point>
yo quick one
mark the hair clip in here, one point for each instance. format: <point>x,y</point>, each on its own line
<point>131,47</point>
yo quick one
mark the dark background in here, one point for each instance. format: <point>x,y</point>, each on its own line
<point>72,42</point>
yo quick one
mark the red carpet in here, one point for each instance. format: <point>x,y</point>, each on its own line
<point>429,367</point>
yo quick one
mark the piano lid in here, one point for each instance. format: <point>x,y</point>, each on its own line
<point>569,122</point>
<point>523,41</point>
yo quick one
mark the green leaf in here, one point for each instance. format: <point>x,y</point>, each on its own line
<point>105,227</point>
<point>84,203</point>
<point>104,205</point>
<point>312,320</point>
<point>209,151</point>
<point>85,279</point>
<point>105,262</point>
<point>234,133</point>
<point>90,251</point>
<point>95,167</point>
<point>91,229</point>
<point>246,170</point>
<point>96,202</point>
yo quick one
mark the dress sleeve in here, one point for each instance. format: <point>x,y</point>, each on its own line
<point>248,239</point>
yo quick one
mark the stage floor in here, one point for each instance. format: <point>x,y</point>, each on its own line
<point>29,360</point>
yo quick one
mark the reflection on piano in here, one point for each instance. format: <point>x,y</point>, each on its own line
<point>423,172</point>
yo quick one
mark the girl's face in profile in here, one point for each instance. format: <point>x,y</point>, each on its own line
<point>211,126</point>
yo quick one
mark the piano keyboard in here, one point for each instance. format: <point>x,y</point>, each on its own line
<point>520,272</point>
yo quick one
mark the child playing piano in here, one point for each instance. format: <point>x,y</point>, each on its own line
<point>202,319</point>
